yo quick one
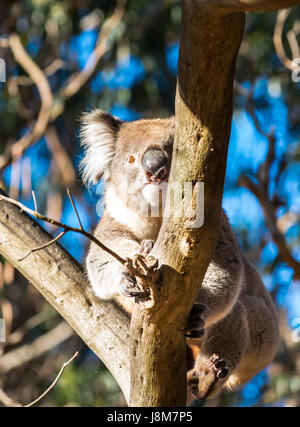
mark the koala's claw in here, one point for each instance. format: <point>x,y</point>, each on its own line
<point>146,247</point>
<point>207,376</point>
<point>137,272</point>
<point>218,365</point>
<point>130,287</point>
<point>196,324</point>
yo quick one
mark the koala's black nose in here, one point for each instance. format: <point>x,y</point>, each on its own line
<point>155,164</point>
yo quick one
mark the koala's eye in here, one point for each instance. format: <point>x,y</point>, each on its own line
<point>131,159</point>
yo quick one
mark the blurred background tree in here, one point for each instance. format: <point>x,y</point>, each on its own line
<point>122,57</point>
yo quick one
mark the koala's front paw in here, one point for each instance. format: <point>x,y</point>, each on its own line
<point>207,377</point>
<point>196,324</point>
<point>129,285</point>
<point>144,266</point>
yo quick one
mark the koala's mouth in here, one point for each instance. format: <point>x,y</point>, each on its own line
<point>156,178</point>
<point>154,189</point>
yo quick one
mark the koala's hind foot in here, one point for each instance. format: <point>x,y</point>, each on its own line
<point>220,353</point>
<point>207,377</point>
<point>196,323</point>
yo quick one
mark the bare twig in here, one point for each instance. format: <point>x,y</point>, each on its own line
<point>271,220</point>
<point>260,190</point>
<point>277,39</point>
<point>67,174</point>
<point>292,39</point>
<point>46,245</point>
<point>7,401</point>
<point>34,200</point>
<point>54,382</point>
<point>21,56</point>
<point>74,207</point>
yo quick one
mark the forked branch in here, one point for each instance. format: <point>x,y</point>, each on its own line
<point>66,229</point>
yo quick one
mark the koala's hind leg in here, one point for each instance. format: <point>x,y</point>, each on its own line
<point>222,349</point>
<point>264,340</point>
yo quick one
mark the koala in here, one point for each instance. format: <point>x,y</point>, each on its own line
<point>233,327</point>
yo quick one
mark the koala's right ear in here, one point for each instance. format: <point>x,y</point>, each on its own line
<point>98,134</point>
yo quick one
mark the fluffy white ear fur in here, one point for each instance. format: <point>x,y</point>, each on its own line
<point>98,136</point>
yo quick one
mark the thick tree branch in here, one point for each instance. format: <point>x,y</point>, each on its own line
<point>231,6</point>
<point>60,279</point>
<point>208,48</point>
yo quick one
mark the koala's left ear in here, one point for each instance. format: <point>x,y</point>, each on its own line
<point>98,134</point>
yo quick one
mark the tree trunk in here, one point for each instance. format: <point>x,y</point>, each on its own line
<point>209,45</point>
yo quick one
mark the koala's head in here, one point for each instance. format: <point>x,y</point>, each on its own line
<point>134,158</point>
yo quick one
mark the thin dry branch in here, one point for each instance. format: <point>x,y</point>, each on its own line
<point>271,220</point>
<point>37,75</point>
<point>7,401</point>
<point>46,245</point>
<point>292,39</point>
<point>260,190</point>
<point>54,382</point>
<point>67,174</point>
<point>282,16</point>
<point>74,208</point>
